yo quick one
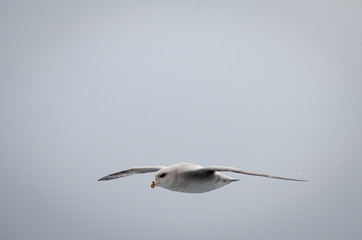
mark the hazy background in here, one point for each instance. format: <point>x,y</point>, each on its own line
<point>92,87</point>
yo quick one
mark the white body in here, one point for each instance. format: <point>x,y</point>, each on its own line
<point>182,178</point>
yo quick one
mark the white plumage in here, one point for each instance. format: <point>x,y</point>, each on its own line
<point>189,177</point>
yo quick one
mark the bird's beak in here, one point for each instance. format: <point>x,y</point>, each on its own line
<point>154,183</point>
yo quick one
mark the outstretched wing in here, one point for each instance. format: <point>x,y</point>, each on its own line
<point>236,170</point>
<point>131,171</point>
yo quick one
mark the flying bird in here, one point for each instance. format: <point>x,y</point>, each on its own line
<point>189,177</point>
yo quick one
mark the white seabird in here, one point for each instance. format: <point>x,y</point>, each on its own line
<point>189,177</point>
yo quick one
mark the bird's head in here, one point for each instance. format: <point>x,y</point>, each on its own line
<point>162,178</point>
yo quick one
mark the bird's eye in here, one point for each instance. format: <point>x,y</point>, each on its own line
<point>162,175</point>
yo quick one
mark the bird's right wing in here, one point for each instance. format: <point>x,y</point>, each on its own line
<point>237,170</point>
<point>131,171</point>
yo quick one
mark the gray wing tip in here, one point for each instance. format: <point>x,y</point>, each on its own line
<point>103,179</point>
<point>296,180</point>
<point>108,177</point>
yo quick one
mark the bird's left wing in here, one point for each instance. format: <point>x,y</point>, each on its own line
<point>131,171</point>
<point>236,170</point>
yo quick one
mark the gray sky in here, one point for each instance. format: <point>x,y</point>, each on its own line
<point>92,87</point>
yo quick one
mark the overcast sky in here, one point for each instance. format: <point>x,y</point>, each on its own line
<point>88,88</point>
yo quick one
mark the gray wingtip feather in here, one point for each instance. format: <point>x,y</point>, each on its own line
<point>113,176</point>
<point>104,179</point>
